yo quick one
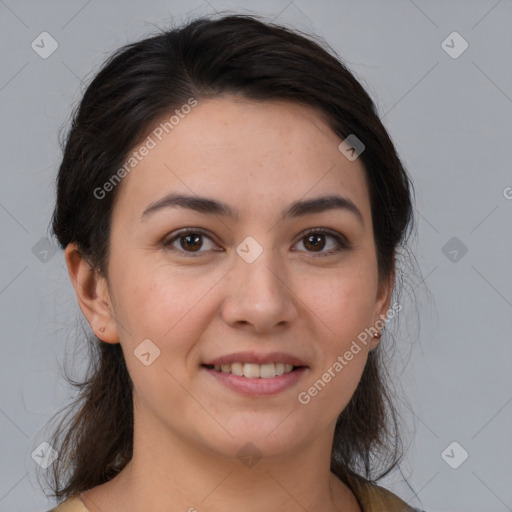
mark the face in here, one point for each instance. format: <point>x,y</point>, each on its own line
<point>192,286</point>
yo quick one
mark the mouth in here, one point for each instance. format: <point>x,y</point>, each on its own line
<point>254,375</point>
<point>254,370</point>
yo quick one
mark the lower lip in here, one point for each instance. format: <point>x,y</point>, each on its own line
<point>259,386</point>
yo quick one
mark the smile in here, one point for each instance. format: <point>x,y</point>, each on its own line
<point>254,371</point>
<point>256,380</point>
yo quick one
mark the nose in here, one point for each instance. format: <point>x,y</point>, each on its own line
<point>260,296</point>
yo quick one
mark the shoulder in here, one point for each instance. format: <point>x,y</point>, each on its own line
<point>374,498</point>
<point>73,504</point>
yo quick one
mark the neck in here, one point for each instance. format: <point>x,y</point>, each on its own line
<point>170,473</point>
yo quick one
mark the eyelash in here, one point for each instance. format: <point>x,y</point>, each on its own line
<point>343,243</point>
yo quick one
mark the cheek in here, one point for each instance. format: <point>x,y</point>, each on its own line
<point>344,301</point>
<point>170,308</point>
<point>344,310</point>
<point>161,304</point>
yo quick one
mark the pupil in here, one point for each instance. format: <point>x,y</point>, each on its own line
<point>195,244</point>
<point>316,245</point>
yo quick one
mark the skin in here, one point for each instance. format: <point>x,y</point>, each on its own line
<point>258,157</point>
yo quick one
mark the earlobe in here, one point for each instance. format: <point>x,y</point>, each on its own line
<point>92,295</point>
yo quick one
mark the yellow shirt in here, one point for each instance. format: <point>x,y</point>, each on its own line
<point>372,498</point>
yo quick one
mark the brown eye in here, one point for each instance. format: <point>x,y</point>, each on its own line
<point>191,242</point>
<point>316,240</point>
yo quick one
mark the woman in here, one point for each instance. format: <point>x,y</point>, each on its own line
<point>231,208</point>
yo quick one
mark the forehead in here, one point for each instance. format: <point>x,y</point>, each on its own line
<point>251,154</point>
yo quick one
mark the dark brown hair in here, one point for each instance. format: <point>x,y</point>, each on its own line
<point>137,86</point>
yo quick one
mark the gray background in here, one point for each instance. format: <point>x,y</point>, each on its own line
<point>451,121</point>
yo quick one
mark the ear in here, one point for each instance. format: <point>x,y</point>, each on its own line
<point>382,303</point>
<point>93,296</point>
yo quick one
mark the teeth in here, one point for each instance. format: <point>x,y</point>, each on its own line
<point>267,371</point>
<point>237,369</point>
<point>251,371</point>
<point>255,371</point>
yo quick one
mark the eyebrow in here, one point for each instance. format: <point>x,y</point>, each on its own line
<point>210,206</point>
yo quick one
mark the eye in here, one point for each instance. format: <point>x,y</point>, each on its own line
<point>315,240</point>
<point>188,241</point>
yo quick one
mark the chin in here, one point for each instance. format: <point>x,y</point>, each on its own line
<point>251,437</point>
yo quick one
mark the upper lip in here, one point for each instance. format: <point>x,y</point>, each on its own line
<point>256,358</point>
